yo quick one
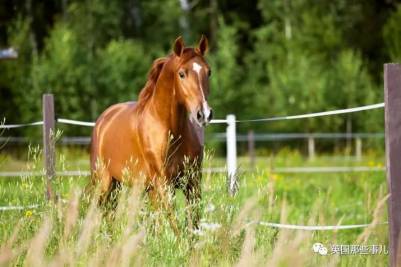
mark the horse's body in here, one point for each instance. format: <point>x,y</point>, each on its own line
<point>127,142</point>
<point>154,137</point>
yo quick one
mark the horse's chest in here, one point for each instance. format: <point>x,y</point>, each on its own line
<point>169,155</point>
<point>183,160</point>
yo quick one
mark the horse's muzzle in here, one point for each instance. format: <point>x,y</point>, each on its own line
<point>204,115</point>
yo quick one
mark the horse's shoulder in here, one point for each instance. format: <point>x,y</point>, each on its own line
<point>119,106</point>
<point>129,104</point>
<point>115,108</point>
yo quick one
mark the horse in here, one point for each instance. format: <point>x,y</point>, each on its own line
<point>157,136</point>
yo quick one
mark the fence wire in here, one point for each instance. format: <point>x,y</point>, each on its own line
<point>218,121</point>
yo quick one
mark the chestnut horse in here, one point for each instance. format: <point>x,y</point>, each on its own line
<point>154,137</point>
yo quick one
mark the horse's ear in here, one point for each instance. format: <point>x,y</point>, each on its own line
<point>179,46</point>
<point>203,45</point>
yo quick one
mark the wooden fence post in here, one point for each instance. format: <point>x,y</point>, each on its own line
<point>251,148</point>
<point>49,142</point>
<point>392,98</point>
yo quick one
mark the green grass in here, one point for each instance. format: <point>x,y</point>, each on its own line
<point>137,235</point>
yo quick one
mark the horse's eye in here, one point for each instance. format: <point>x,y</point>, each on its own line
<point>182,74</point>
<point>209,73</point>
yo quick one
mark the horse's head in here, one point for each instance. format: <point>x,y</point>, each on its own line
<point>192,80</point>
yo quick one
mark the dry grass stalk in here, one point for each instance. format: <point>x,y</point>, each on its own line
<point>377,219</point>
<point>248,257</point>
<point>7,253</point>
<point>288,247</point>
<point>90,225</point>
<point>36,251</point>
<point>71,213</point>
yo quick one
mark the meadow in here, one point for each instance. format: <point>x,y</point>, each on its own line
<point>76,232</point>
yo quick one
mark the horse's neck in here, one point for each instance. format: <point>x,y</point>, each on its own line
<point>171,114</point>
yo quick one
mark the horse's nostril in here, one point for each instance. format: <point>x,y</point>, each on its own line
<point>210,117</point>
<point>199,115</point>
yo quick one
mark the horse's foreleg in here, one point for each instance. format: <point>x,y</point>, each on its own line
<point>192,193</point>
<point>101,179</point>
<point>104,189</point>
<point>161,198</point>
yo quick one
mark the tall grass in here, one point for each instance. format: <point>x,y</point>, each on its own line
<point>76,231</point>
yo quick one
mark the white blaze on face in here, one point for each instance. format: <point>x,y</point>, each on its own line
<point>205,107</point>
<point>196,67</point>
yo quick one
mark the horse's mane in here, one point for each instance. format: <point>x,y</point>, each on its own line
<point>153,75</point>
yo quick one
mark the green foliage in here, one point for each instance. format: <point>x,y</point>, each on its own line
<point>121,72</point>
<point>392,35</point>
<point>351,86</point>
<point>283,58</point>
<point>17,77</point>
<point>160,23</point>
<point>95,22</point>
<point>302,64</point>
<point>226,72</point>
<point>65,70</point>
<point>86,85</point>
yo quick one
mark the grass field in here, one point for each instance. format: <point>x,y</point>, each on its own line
<point>75,232</point>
